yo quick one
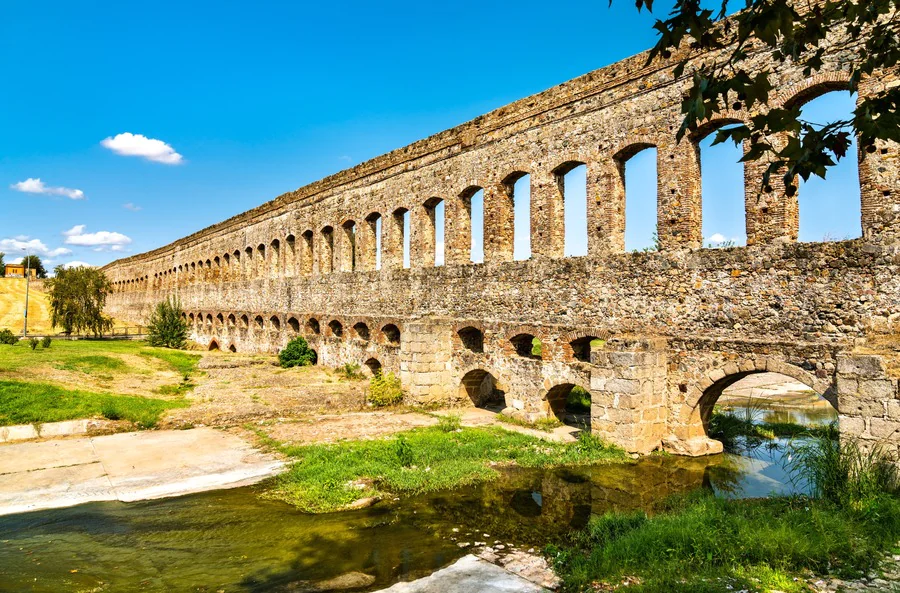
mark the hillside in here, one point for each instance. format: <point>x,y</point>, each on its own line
<point>12,305</point>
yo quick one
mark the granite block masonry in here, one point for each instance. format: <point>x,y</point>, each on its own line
<point>653,336</point>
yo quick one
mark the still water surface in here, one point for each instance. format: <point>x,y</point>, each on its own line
<point>233,541</point>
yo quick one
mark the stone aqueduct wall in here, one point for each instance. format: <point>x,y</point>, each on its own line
<point>678,325</point>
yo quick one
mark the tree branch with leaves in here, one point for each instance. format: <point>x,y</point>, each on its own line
<point>798,31</point>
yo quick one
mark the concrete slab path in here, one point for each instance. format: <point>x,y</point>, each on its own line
<point>466,575</point>
<point>127,467</point>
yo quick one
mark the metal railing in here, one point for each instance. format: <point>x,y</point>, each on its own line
<point>117,333</point>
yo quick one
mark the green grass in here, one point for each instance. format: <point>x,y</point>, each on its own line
<point>703,543</point>
<point>320,480</point>
<point>184,363</point>
<point>92,364</point>
<point>30,403</point>
<point>93,355</point>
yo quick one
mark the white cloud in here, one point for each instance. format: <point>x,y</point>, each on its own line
<point>131,206</point>
<point>31,246</point>
<point>76,264</point>
<point>716,238</point>
<point>36,186</point>
<point>100,241</point>
<point>129,144</point>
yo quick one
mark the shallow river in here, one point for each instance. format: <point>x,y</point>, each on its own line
<point>233,541</point>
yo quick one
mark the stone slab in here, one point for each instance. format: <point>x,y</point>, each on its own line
<point>126,467</point>
<point>466,575</point>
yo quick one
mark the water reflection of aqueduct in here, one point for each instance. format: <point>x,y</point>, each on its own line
<point>655,337</point>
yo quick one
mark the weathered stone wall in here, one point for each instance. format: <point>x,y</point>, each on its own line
<point>677,325</point>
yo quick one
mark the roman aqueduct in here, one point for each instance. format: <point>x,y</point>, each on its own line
<point>653,336</point>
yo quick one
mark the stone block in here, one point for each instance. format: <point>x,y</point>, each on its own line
<point>864,366</point>
<point>857,406</point>
<point>852,425</point>
<point>882,428</point>
<point>716,375</point>
<point>626,386</point>
<point>847,386</point>
<point>876,389</point>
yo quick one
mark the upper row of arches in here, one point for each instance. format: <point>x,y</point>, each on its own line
<point>579,206</point>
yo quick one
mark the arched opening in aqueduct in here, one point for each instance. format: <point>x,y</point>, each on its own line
<point>480,387</point>
<point>764,396</point>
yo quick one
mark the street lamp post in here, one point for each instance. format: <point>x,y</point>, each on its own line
<point>27,284</point>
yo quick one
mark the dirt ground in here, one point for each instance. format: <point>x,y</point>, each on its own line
<point>301,405</point>
<point>237,389</point>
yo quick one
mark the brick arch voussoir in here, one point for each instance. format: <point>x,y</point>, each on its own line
<point>809,88</point>
<point>633,144</point>
<point>566,338</point>
<point>759,365</point>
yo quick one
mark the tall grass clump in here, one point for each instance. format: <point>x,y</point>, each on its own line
<point>351,371</point>
<point>167,326</point>
<point>844,472</point>
<point>297,353</point>
<point>385,390</point>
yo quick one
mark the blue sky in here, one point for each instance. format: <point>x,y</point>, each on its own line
<point>251,100</point>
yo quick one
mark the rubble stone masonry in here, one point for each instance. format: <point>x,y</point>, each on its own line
<point>655,337</point>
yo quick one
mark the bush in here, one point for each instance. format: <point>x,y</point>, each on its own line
<point>385,390</point>
<point>8,338</point>
<point>167,326</point>
<point>404,452</point>
<point>33,342</point>
<point>450,422</point>
<point>297,353</point>
<point>351,371</point>
<point>45,342</point>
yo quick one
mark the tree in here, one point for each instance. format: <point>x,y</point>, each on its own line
<point>2,265</point>
<point>77,297</point>
<point>167,326</point>
<point>33,262</point>
<point>793,30</point>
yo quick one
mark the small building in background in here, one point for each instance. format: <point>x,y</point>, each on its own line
<point>18,271</point>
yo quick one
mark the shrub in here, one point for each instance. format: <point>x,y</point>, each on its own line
<point>404,452</point>
<point>297,353</point>
<point>33,342</point>
<point>45,342</point>
<point>8,338</point>
<point>351,371</point>
<point>450,422</point>
<point>167,327</point>
<point>385,390</point>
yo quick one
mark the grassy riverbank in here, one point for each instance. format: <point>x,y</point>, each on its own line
<point>327,478</point>
<point>701,543</point>
<point>118,380</point>
<point>35,403</point>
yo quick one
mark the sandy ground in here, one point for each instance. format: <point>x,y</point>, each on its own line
<point>127,467</point>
